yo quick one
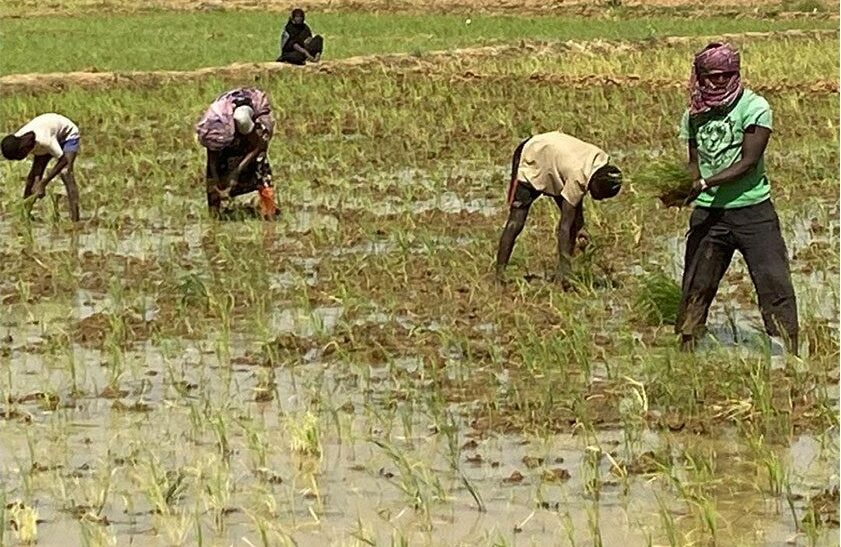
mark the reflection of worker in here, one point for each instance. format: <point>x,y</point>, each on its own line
<point>297,44</point>
<point>47,136</point>
<point>557,165</point>
<point>727,129</point>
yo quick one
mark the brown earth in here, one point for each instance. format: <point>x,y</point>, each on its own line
<point>26,8</point>
<point>58,81</point>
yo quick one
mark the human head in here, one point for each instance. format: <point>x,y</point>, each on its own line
<point>244,119</point>
<point>297,16</point>
<point>17,148</point>
<point>716,78</point>
<point>605,182</point>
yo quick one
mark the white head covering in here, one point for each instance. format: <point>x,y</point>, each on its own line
<point>242,119</point>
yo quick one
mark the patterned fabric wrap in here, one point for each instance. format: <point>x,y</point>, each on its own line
<point>714,59</point>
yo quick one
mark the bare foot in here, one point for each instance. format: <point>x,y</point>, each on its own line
<point>688,343</point>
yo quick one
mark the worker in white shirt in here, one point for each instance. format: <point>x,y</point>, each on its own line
<point>47,136</point>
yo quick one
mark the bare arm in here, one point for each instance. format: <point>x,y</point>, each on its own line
<point>753,146</point>
<point>284,37</point>
<point>212,158</point>
<point>39,164</point>
<point>57,168</point>
<point>301,49</point>
<point>258,145</point>
<point>572,220</point>
<point>694,168</point>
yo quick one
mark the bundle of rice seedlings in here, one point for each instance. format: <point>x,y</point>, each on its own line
<point>669,181</point>
<point>659,299</point>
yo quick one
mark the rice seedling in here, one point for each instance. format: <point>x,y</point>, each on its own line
<point>659,299</point>
<point>24,522</point>
<point>304,434</point>
<point>253,362</point>
<point>671,183</point>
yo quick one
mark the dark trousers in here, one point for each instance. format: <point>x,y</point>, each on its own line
<point>754,231</point>
<point>314,47</point>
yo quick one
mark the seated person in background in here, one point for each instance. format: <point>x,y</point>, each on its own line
<point>297,44</point>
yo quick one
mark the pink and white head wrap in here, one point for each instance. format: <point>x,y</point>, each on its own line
<point>716,58</point>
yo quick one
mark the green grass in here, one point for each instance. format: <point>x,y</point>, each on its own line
<point>765,61</point>
<point>177,41</point>
<point>659,299</point>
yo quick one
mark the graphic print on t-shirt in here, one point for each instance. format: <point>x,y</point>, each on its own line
<point>716,139</point>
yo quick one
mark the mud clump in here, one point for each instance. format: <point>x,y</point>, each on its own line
<point>823,509</point>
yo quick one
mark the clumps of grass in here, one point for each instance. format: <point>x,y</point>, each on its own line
<point>822,509</point>
<point>658,300</point>
<point>24,521</point>
<point>804,6</point>
<point>304,434</point>
<point>670,182</point>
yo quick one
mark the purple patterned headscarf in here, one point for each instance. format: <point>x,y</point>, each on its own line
<point>716,58</point>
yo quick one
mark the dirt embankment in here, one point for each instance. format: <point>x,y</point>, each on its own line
<point>58,81</point>
<point>780,8</point>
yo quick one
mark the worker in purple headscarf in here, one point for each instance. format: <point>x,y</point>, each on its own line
<point>727,128</point>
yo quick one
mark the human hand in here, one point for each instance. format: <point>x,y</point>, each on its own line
<point>582,240</point>
<point>698,186</point>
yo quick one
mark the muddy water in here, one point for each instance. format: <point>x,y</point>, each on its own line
<point>102,433</point>
<point>93,441</point>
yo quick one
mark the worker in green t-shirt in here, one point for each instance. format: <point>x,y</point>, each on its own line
<point>727,128</point>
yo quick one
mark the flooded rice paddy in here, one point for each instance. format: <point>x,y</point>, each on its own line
<point>352,373</point>
<point>151,437</point>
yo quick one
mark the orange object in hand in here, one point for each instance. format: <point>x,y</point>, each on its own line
<point>267,203</point>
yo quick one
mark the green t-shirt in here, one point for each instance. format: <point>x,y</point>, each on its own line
<point>719,137</point>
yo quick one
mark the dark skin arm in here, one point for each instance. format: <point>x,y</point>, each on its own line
<point>694,168</point>
<point>63,161</point>
<point>39,165</point>
<point>301,49</point>
<point>37,186</point>
<point>753,147</point>
<point>257,145</point>
<point>213,180</point>
<point>572,220</point>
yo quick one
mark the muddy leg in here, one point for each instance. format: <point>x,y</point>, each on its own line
<point>764,249</point>
<point>68,176</point>
<point>709,249</point>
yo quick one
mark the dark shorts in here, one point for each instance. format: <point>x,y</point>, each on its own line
<point>524,195</point>
<point>70,145</point>
<point>521,194</point>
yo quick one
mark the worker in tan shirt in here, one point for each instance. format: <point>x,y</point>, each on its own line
<point>565,168</point>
